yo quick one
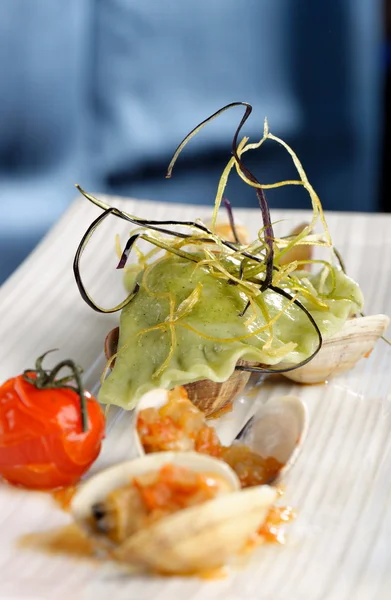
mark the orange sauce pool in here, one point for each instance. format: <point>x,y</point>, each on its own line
<point>207,575</point>
<point>68,540</point>
<point>63,496</point>
<point>272,530</point>
<point>71,541</point>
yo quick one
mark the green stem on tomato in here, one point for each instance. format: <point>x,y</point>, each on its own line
<point>46,379</point>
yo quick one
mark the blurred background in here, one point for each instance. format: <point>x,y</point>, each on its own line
<point>100,92</point>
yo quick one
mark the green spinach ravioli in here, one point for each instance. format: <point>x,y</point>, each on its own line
<point>185,324</point>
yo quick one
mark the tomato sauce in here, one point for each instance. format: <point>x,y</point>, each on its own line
<point>272,529</point>
<point>175,488</point>
<point>63,496</point>
<point>180,426</point>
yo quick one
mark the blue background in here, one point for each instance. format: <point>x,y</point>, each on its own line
<point>100,92</point>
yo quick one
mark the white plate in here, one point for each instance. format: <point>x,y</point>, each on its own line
<point>339,546</point>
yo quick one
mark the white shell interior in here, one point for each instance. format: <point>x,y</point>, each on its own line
<point>278,429</point>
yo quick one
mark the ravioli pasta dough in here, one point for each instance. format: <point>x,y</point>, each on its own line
<point>184,325</point>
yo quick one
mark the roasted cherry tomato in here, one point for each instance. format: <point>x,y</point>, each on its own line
<point>50,432</point>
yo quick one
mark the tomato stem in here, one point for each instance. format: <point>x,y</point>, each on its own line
<point>46,379</point>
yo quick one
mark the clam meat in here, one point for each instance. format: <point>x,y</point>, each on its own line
<point>174,513</point>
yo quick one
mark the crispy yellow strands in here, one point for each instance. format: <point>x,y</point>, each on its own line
<point>243,265</point>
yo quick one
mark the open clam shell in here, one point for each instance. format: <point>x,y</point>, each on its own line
<point>212,397</point>
<point>207,395</point>
<point>343,350</point>
<point>277,429</point>
<point>202,537</point>
<point>97,488</point>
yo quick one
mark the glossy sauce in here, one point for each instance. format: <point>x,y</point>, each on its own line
<point>69,540</point>
<point>73,542</point>
<point>208,575</point>
<point>63,496</point>
<point>272,530</point>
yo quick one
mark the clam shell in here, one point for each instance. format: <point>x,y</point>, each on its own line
<point>208,396</point>
<point>343,350</point>
<point>195,539</point>
<point>202,537</point>
<point>278,429</point>
<point>111,344</point>
<point>212,397</point>
<point>99,486</point>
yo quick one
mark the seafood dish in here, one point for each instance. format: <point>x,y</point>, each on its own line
<point>207,307</point>
<point>202,502</point>
<point>267,446</point>
<point>208,310</point>
<point>186,504</point>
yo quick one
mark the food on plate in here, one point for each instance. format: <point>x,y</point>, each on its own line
<point>299,252</point>
<point>205,336</point>
<point>174,423</point>
<point>191,503</point>
<point>203,310</point>
<point>150,497</point>
<point>270,441</point>
<point>173,513</point>
<point>231,231</point>
<point>212,398</point>
<point>341,352</point>
<point>51,429</point>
